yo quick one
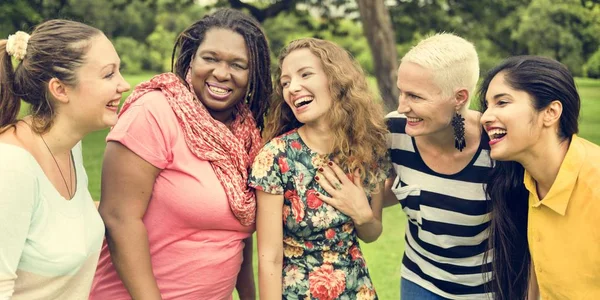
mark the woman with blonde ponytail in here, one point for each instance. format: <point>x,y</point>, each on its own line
<point>50,230</point>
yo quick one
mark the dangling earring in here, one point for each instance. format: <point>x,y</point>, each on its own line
<point>458,124</point>
<point>248,95</point>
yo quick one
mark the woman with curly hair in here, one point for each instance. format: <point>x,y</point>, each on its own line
<point>322,171</point>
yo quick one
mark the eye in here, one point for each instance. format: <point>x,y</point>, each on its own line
<point>413,96</point>
<point>285,84</point>
<point>306,74</point>
<point>109,75</point>
<point>501,102</point>
<point>209,59</point>
<point>238,66</point>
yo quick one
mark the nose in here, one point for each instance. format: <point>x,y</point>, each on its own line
<point>123,86</point>
<point>294,86</point>
<point>403,107</point>
<point>487,117</point>
<point>221,72</point>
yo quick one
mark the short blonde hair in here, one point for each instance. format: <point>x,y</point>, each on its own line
<point>452,59</point>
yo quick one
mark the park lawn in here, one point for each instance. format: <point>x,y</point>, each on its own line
<point>383,256</point>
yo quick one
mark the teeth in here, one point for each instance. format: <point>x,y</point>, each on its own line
<point>496,133</point>
<point>413,120</point>
<point>298,102</point>
<point>218,90</point>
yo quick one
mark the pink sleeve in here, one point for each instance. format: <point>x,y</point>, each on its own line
<point>148,129</point>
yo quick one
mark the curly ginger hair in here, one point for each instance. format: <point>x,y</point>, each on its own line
<point>356,118</point>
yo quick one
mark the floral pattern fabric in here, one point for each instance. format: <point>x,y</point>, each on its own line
<point>322,257</point>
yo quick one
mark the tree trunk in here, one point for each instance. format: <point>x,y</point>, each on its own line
<point>377,27</point>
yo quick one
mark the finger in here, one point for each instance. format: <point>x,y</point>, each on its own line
<point>356,178</point>
<point>331,177</point>
<point>324,183</point>
<point>327,199</point>
<point>339,172</point>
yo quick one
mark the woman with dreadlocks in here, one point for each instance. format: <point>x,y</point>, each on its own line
<point>178,212</point>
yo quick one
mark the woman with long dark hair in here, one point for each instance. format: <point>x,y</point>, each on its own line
<point>545,233</point>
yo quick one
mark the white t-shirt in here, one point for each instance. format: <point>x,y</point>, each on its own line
<point>49,246</point>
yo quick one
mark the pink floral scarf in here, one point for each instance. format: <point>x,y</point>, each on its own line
<point>230,152</point>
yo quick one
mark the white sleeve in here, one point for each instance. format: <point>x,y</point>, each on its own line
<point>18,189</point>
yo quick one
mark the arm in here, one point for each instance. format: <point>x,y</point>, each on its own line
<point>371,230</point>
<point>269,231</point>
<point>348,196</point>
<point>245,279</point>
<point>17,190</point>
<point>533,291</point>
<point>389,198</point>
<point>127,182</point>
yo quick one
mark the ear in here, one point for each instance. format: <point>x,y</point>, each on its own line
<point>58,90</point>
<point>461,97</point>
<point>552,113</point>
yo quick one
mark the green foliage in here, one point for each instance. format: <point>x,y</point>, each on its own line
<point>160,45</point>
<point>592,67</point>
<point>563,30</point>
<point>287,27</point>
<point>132,53</point>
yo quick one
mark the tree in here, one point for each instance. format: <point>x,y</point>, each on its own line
<point>563,30</point>
<point>377,27</point>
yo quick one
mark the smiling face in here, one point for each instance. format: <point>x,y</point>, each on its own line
<point>421,100</point>
<point>511,121</point>
<point>96,96</point>
<point>305,86</point>
<point>220,72</point>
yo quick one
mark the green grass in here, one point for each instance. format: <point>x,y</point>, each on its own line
<point>383,256</point>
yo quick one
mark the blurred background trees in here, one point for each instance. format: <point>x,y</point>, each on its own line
<point>144,31</point>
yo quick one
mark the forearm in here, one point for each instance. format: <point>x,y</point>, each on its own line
<point>389,198</point>
<point>369,231</point>
<point>533,291</point>
<point>269,279</point>
<point>245,279</point>
<point>130,253</point>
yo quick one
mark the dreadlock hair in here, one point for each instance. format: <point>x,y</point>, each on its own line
<point>259,81</point>
<point>56,49</point>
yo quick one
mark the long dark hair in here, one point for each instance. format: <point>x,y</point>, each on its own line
<point>545,80</point>
<point>56,49</point>
<point>259,81</point>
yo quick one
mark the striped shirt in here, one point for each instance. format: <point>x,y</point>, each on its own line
<point>448,218</point>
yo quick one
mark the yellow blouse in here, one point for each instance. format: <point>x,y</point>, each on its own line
<point>564,228</point>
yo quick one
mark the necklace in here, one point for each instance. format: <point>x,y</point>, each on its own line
<point>59,170</point>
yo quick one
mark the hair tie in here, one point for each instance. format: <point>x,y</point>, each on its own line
<point>17,45</point>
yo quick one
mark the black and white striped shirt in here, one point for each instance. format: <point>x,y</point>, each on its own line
<point>448,218</point>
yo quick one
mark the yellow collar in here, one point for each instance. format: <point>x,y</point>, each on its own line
<point>560,192</point>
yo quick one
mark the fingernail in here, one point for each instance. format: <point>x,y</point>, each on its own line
<point>321,170</point>
<point>317,194</point>
<point>317,177</point>
<point>330,163</point>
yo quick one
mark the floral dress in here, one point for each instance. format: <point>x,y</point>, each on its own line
<point>322,258</point>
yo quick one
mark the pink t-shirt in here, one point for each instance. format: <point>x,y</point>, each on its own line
<point>196,243</point>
